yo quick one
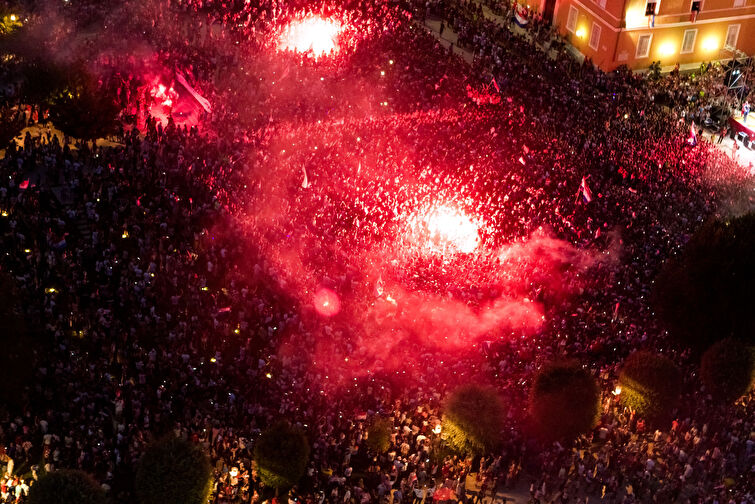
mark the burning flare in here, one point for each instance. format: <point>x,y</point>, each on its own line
<point>448,228</point>
<point>312,33</point>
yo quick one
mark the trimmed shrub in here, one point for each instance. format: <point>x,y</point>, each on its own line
<point>727,369</point>
<point>66,487</point>
<point>650,384</point>
<point>564,401</point>
<point>472,419</point>
<point>281,455</point>
<point>379,435</point>
<point>173,471</point>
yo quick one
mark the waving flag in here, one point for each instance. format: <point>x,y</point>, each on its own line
<point>585,190</point>
<point>204,102</point>
<point>692,140</point>
<point>520,16</point>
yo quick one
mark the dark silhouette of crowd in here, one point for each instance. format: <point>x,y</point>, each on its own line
<point>152,277</point>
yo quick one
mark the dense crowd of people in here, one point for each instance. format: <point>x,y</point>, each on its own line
<point>167,279</point>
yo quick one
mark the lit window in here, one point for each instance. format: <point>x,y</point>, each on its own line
<point>732,34</point>
<point>595,36</point>
<point>643,45</point>
<point>571,21</point>
<point>688,43</point>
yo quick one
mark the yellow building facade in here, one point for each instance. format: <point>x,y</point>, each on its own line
<point>636,33</point>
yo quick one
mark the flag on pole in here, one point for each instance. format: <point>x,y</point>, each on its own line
<point>585,190</point>
<point>692,140</point>
<point>379,286</point>
<point>203,102</point>
<point>520,16</point>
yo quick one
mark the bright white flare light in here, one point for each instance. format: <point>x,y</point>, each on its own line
<point>312,33</point>
<point>449,227</point>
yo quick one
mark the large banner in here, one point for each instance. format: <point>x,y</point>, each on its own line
<point>204,102</point>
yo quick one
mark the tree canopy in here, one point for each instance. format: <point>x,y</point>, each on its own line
<point>564,401</point>
<point>78,104</point>
<point>281,454</point>
<point>173,471</point>
<point>650,384</point>
<point>704,293</point>
<point>472,419</point>
<point>379,434</point>
<point>66,487</point>
<point>727,369</point>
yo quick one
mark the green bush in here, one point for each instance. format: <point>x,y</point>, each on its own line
<point>564,401</point>
<point>472,419</point>
<point>650,384</point>
<point>281,454</point>
<point>173,471</point>
<point>379,435</point>
<point>727,369</point>
<point>66,487</point>
<point>704,294</point>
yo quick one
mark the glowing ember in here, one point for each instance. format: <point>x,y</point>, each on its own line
<point>312,33</point>
<point>164,95</point>
<point>450,228</point>
<point>326,302</point>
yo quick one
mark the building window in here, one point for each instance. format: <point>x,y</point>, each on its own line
<point>602,3</point>
<point>643,45</point>
<point>571,21</point>
<point>696,6</point>
<point>739,3</point>
<point>732,34</point>
<point>688,43</point>
<point>651,8</point>
<point>595,36</point>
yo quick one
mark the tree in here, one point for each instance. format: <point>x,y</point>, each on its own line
<point>78,104</point>
<point>83,108</point>
<point>650,384</point>
<point>66,487</point>
<point>727,369</point>
<point>703,294</point>
<point>564,401</point>
<point>173,471</point>
<point>18,355</point>
<point>472,419</point>
<point>379,434</point>
<point>42,80</point>
<point>281,454</point>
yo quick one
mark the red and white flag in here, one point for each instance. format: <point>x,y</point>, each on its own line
<point>585,190</point>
